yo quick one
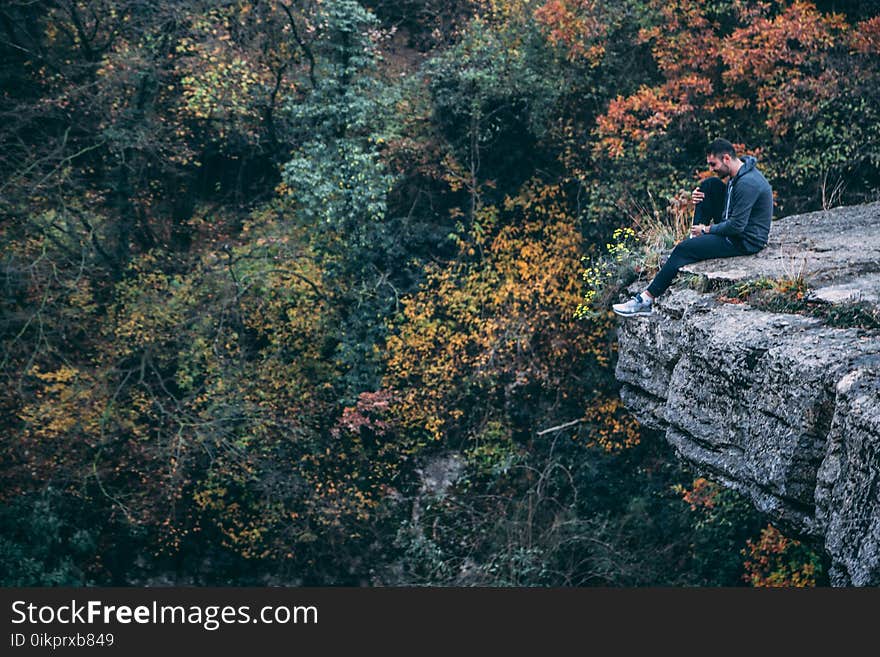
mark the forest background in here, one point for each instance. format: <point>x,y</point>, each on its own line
<point>294,292</point>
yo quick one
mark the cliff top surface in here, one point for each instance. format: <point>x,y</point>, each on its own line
<point>836,251</point>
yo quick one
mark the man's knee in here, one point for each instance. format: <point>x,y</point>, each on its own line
<point>712,185</point>
<point>684,248</point>
<point>703,247</point>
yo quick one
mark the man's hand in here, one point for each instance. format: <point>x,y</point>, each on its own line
<point>699,229</point>
<point>697,195</point>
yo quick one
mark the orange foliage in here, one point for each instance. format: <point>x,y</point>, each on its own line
<point>865,37</point>
<point>785,60</point>
<point>498,318</point>
<point>613,428</point>
<point>575,25</point>
<point>646,114</point>
<point>365,414</point>
<point>686,43</point>
<point>702,494</point>
<point>686,49</point>
<point>776,561</point>
<point>779,60</point>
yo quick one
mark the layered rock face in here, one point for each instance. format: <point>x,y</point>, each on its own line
<point>777,406</point>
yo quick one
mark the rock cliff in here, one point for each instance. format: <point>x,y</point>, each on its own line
<point>781,407</point>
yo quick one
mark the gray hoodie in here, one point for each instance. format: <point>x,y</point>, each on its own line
<point>748,209</point>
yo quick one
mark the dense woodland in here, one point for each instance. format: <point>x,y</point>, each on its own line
<point>266,264</point>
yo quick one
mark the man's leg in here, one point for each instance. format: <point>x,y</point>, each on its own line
<point>704,247</point>
<point>712,206</point>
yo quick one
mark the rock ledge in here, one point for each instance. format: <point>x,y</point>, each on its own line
<point>777,406</point>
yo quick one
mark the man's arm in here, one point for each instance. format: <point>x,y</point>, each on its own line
<point>743,198</point>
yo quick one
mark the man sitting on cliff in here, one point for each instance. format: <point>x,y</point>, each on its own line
<point>742,209</point>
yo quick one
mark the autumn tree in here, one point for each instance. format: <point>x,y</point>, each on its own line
<point>785,93</point>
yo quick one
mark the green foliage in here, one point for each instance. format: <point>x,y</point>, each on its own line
<point>494,96</point>
<point>45,542</point>
<point>792,295</point>
<point>858,314</point>
<point>784,295</point>
<point>606,276</point>
<point>563,514</point>
<point>336,174</point>
<point>830,156</point>
<point>339,182</point>
<point>494,453</point>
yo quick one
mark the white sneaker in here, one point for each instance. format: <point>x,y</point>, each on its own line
<point>638,305</point>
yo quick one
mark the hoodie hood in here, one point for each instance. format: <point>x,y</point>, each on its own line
<point>748,164</point>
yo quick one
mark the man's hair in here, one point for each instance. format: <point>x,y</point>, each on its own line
<point>719,147</point>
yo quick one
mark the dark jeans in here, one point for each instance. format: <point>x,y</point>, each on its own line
<point>704,247</point>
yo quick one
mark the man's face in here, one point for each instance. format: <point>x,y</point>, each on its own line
<point>720,165</point>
